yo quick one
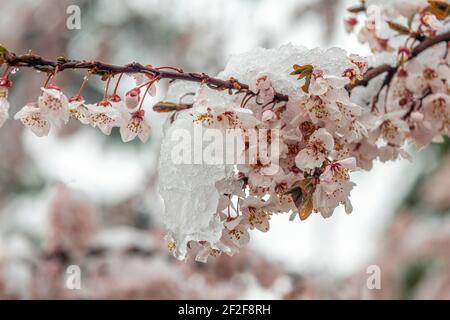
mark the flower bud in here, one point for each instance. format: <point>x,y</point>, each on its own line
<point>5,82</point>
<point>350,24</point>
<point>404,54</point>
<point>132,98</point>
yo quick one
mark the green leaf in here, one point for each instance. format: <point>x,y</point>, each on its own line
<point>164,106</point>
<point>3,53</point>
<point>305,72</point>
<point>300,69</point>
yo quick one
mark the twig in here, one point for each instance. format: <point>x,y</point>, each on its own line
<point>41,64</point>
<point>375,72</point>
<point>97,67</point>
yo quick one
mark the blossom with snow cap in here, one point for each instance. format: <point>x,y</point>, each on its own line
<point>262,86</point>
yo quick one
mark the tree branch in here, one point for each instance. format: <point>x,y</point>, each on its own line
<point>41,64</point>
<point>374,72</point>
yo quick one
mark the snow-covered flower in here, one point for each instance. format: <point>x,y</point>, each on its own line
<point>319,144</point>
<point>321,82</point>
<point>324,134</point>
<point>226,117</point>
<point>135,126</point>
<point>33,118</point>
<point>319,109</point>
<point>263,87</point>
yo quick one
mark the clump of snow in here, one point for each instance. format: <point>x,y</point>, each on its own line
<point>188,191</point>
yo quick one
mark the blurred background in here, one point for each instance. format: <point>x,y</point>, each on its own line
<point>78,197</point>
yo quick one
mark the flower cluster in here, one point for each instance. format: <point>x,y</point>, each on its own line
<point>54,109</point>
<point>329,127</point>
<point>414,103</point>
<point>393,26</point>
<point>308,171</point>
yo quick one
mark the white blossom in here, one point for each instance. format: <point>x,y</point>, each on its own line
<point>54,105</point>
<point>135,126</point>
<point>33,118</point>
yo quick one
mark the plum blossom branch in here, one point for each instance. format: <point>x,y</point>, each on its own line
<point>41,64</point>
<point>307,148</point>
<point>375,72</point>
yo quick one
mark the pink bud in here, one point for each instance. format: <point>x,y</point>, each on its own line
<point>350,24</point>
<point>5,82</point>
<point>132,98</point>
<point>139,114</point>
<point>403,54</point>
